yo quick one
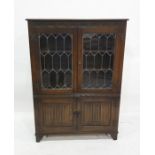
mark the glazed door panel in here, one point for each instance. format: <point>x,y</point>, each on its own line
<point>56,52</point>
<point>97,56</point>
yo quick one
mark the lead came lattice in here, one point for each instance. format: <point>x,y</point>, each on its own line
<point>56,60</point>
<point>98,56</point>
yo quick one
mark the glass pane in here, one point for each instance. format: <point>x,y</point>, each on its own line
<point>45,79</point>
<point>43,44</point>
<point>60,42</point>
<point>48,62</point>
<point>86,79</point>
<point>93,78</point>
<point>56,60</point>
<point>94,42</point>
<point>98,61</point>
<point>61,79</point>
<point>68,43</point>
<point>64,59</point>
<point>90,61</point>
<point>52,43</point>
<point>87,43</point>
<point>102,42</point>
<point>53,79</point>
<point>108,77</point>
<point>68,76</point>
<point>100,81</point>
<point>98,56</point>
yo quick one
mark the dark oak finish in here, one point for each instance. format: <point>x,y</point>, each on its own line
<point>76,73</point>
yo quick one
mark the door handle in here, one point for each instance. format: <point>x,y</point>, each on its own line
<point>80,62</point>
<point>77,113</point>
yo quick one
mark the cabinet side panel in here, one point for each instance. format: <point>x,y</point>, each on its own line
<point>118,64</point>
<point>34,58</point>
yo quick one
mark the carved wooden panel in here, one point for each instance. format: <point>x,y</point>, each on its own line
<point>57,113</point>
<point>95,112</point>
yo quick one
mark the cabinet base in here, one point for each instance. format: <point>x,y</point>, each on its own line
<point>38,137</point>
<point>114,136</point>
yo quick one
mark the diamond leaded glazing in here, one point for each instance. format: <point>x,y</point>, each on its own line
<point>56,60</point>
<point>98,56</point>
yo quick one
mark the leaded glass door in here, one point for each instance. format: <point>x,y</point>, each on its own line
<point>56,51</point>
<point>96,58</point>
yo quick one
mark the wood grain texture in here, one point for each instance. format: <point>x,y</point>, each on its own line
<point>95,112</point>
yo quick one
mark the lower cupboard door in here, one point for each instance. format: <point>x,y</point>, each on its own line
<point>56,115</point>
<point>96,114</point>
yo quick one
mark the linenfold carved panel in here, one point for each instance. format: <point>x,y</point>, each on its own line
<point>95,112</point>
<point>57,114</point>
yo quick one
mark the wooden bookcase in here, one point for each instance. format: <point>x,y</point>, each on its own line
<point>76,73</point>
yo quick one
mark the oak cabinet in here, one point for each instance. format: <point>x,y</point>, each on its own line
<point>76,74</point>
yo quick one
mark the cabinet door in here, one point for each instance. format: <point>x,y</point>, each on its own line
<point>95,114</point>
<point>100,58</point>
<point>56,115</point>
<point>53,51</point>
